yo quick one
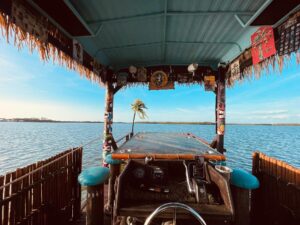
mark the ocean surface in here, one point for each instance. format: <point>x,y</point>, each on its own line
<point>22,143</point>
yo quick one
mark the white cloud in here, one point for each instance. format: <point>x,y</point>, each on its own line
<point>259,91</point>
<point>12,72</point>
<point>269,112</point>
<point>267,117</point>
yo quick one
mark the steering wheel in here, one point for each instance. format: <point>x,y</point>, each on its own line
<point>174,205</point>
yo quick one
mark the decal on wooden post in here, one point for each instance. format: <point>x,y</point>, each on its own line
<point>221,118</point>
<point>160,81</point>
<point>263,44</point>
<point>108,121</point>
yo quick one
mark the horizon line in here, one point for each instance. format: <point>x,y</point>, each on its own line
<point>45,120</point>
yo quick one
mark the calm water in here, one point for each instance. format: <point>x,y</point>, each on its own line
<point>25,143</point>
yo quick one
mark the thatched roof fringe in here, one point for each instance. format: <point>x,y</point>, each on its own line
<point>47,51</point>
<point>277,63</point>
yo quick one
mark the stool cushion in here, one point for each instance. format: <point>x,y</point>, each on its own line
<point>243,179</point>
<point>93,176</point>
<point>111,161</point>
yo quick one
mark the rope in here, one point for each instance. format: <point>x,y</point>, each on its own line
<point>47,164</point>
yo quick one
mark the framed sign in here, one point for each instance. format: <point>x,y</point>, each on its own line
<point>289,35</point>
<point>263,44</point>
<point>209,82</point>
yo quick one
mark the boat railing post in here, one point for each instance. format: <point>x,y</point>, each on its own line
<point>94,178</point>
<point>241,199</point>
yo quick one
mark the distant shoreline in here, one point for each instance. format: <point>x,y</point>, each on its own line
<point>150,122</point>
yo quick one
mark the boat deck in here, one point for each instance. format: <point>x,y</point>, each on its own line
<point>166,143</point>
<point>160,145</point>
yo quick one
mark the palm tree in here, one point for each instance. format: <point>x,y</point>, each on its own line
<point>138,107</point>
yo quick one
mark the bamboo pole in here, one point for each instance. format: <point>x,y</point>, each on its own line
<point>126,156</point>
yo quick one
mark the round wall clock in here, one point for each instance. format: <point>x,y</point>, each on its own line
<point>159,79</point>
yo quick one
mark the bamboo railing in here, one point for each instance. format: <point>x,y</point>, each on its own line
<point>277,201</point>
<point>43,193</point>
<point>125,138</point>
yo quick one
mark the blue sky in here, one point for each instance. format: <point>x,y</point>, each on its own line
<point>32,88</point>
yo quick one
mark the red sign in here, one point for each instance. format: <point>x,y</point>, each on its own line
<point>263,44</point>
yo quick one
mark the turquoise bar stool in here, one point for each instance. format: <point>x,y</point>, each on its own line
<point>109,160</point>
<point>243,179</point>
<point>94,178</point>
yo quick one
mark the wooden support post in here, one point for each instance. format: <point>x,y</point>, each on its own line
<point>94,207</point>
<point>109,143</point>
<point>114,173</point>
<point>241,199</point>
<point>220,110</point>
<point>108,140</point>
<point>108,121</point>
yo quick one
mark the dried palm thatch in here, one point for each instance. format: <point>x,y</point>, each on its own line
<point>48,51</point>
<point>273,64</point>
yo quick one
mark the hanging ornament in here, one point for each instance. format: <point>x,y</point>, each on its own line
<point>122,79</point>
<point>142,74</point>
<point>132,70</point>
<point>77,51</point>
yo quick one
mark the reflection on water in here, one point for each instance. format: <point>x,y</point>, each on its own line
<point>24,143</point>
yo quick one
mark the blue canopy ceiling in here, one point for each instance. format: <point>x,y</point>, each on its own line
<point>166,32</point>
